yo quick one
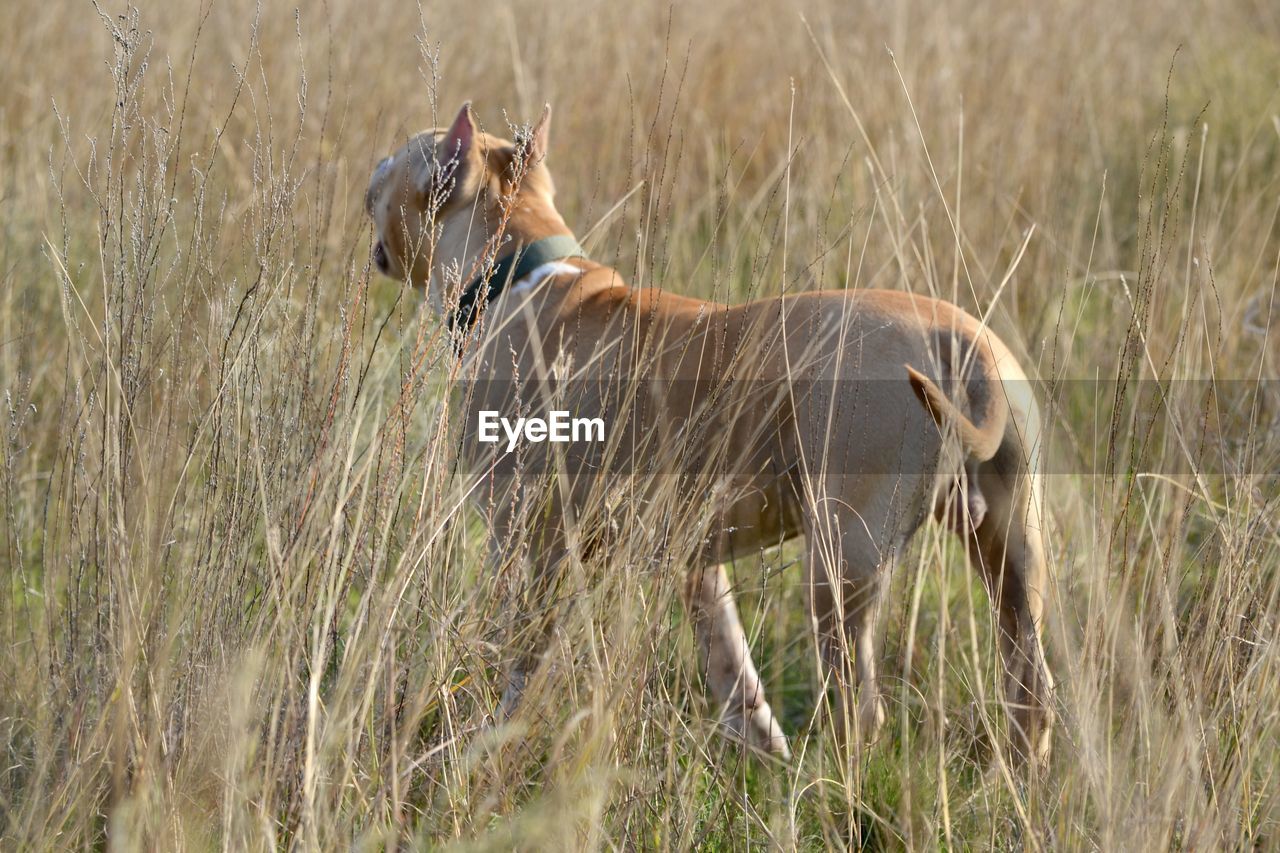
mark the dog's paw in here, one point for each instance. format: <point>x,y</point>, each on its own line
<point>871,718</point>
<point>510,697</point>
<point>758,729</point>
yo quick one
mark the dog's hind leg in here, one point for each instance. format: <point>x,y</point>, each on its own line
<point>731,675</point>
<point>1007,547</point>
<point>846,571</point>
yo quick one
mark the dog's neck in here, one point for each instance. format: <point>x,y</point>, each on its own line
<point>469,236</point>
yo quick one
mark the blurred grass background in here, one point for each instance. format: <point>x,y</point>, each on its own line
<point>246,605</point>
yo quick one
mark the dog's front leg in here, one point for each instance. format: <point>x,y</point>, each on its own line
<point>531,625</point>
<point>731,674</point>
<point>517,677</point>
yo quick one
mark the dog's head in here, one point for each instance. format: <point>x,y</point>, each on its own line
<point>437,202</point>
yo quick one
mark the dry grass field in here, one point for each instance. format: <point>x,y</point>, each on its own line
<point>246,603</point>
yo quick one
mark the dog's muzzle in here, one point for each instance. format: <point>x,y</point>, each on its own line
<point>380,258</point>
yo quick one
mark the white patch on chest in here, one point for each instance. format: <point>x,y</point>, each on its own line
<point>545,271</point>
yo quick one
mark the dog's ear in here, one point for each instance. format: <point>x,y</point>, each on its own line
<point>457,142</point>
<point>451,153</point>
<point>538,137</point>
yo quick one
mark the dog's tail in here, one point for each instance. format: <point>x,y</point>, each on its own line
<point>980,440</point>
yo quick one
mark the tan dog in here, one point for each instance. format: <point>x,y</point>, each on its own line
<point>812,414</point>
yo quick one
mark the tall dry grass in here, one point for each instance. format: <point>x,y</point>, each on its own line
<point>246,602</point>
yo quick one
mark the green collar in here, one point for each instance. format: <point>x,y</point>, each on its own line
<point>517,265</point>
